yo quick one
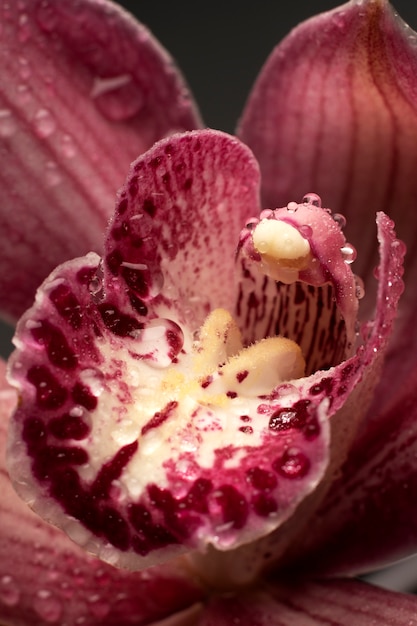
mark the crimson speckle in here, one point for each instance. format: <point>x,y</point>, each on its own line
<point>68,427</point>
<point>264,505</point>
<point>115,528</point>
<point>160,417</point>
<point>234,506</point>
<point>114,260</point>
<point>81,394</point>
<point>196,499</point>
<point>67,305</point>
<point>117,322</point>
<point>34,433</point>
<point>49,393</point>
<point>137,280</point>
<point>122,207</point>
<point>149,207</point>
<point>187,184</point>
<point>292,464</point>
<point>240,376</point>
<point>56,345</point>
<point>261,479</point>
<point>248,430</point>
<point>138,304</point>
<point>231,394</point>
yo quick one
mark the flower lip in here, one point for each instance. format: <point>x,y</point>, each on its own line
<point>179,445</point>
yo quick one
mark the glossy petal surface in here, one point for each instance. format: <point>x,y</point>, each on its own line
<point>46,579</point>
<point>313,604</point>
<point>85,90</point>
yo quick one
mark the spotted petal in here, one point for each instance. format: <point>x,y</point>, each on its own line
<point>340,602</point>
<point>84,90</point>
<point>46,579</point>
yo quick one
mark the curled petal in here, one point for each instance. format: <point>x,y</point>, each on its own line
<point>339,602</point>
<point>46,579</point>
<point>334,110</point>
<point>85,89</point>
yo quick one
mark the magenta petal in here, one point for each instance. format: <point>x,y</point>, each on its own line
<point>85,89</point>
<point>334,110</point>
<point>46,579</point>
<point>340,602</point>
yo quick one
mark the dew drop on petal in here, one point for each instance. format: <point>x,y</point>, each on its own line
<point>359,288</point>
<point>292,207</point>
<point>47,606</point>
<point>44,123</point>
<point>340,220</point>
<point>312,198</point>
<point>52,174</point>
<point>348,253</point>
<point>9,592</point>
<point>8,124</point>
<point>306,231</point>
<point>68,146</point>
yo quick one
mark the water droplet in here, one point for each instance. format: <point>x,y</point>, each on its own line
<point>359,287</point>
<point>266,214</point>
<point>24,93</point>
<point>340,220</point>
<point>117,97</point>
<point>306,231</point>
<point>312,198</point>
<point>47,606</point>
<point>8,125</point>
<point>161,341</point>
<point>252,223</point>
<point>52,174</point>
<point>348,253</point>
<point>24,68</point>
<point>68,146</point>
<point>9,593</point>
<point>292,207</point>
<point>44,123</point>
<point>98,607</point>
<point>292,464</point>
<point>24,28</point>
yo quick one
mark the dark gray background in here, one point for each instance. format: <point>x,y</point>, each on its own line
<point>220,48</point>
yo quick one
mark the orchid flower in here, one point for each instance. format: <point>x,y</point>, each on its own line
<point>215,417</point>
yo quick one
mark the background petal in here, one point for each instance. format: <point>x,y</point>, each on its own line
<point>313,604</point>
<point>85,89</point>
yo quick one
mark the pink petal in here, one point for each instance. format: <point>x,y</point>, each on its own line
<point>340,602</point>
<point>85,89</point>
<point>349,388</point>
<point>102,354</point>
<point>368,518</point>
<point>335,110</point>
<point>46,579</point>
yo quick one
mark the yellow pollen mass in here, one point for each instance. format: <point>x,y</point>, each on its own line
<point>284,251</point>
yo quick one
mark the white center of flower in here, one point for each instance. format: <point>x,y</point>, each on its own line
<point>284,251</point>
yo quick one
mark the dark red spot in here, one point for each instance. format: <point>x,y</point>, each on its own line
<point>187,184</point>
<point>56,345</point>
<point>206,382</point>
<point>242,375</point>
<point>67,305</point>
<point>86,274</point>
<point>248,430</point>
<point>122,207</point>
<point>49,393</point>
<point>51,457</point>
<point>233,504</point>
<point>196,498</point>
<point>138,304</point>
<point>163,500</point>
<point>175,340</point>
<point>292,464</point>
<point>298,416</point>
<point>346,371</point>
<point>264,505</point>
<point>115,528</point>
<point>245,418</point>
<point>169,148</point>
<point>325,385</point>
<point>68,427</point>
<point>118,323</point>
<point>137,280</point>
<point>34,434</point>
<point>82,395</point>
<point>149,207</point>
<point>156,162</point>
<point>166,178</point>
<point>112,470</point>
<point>231,394</point>
<point>133,187</point>
<point>160,417</point>
<point>114,260</point>
<point>261,479</point>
